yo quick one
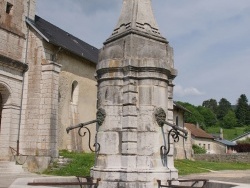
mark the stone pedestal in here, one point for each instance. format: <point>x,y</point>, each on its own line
<point>134,74</point>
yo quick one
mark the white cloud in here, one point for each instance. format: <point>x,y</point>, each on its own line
<point>189,91</point>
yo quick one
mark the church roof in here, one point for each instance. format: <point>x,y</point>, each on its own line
<point>61,38</point>
<point>198,132</point>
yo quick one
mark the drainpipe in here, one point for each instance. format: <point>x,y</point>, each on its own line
<point>25,61</point>
<point>54,57</point>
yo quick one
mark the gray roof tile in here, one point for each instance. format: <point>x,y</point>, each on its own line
<point>61,38</point>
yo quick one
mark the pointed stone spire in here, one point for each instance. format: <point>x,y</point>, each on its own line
<point>137,17</point>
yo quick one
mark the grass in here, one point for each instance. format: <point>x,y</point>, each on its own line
<point>228,134</point>
<point>82,162</point>
<point>190,167</point>
<point>79,166</point>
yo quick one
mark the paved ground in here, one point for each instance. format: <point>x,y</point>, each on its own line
<point>9,172</point>
<point>235,176</point>
<point>7,179</point>
<point>241,176</point>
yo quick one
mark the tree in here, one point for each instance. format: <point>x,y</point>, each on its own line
<point>248,117</point>
<point>223,108</point>
<point>229,120</point>
<point>194,117</point>
<point>242,110</point>
<point>211,104</point>
<point>208,115</point>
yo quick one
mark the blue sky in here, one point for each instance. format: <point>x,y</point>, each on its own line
<point>211,40</point>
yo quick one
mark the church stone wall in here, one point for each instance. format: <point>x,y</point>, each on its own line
<point>10,90</point>
<point>47,107</point>
<point>40,106</point>
<point>13,37</point>
<point>81,72</point>
<point>31,98</point>
<point>13,28</point>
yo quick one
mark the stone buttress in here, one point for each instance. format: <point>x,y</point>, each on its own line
<point>134,74</point>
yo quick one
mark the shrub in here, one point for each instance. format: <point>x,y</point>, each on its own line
<point>198,150</point>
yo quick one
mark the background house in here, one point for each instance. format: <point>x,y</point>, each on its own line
<point>213,145</point>
<point>183,148</point>
<point>224,146</point>
<point>201,138</point>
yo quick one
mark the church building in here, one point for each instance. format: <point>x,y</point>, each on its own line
<point>47,83</point>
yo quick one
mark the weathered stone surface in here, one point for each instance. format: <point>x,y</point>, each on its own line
<point>134,74</point>
<point>110,142</point>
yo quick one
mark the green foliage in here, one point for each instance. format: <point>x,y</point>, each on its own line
<point>222,115</point>
<point>211,104</point>
<point>198,150</point>
<point>195,116</point>
<point>242,110</point>
<point>247,129</point>
<point>79,166</point>
<point>223,108</point>
<point>229,134</point>
<point>208,115</point>
<point>248,116</point>
<point>190,167</point>
<point>229,120</point>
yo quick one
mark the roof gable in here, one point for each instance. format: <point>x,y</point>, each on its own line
<point>178,106</point>
<point>241,136</point>
<point>197,132</point>
<point>61,38</point>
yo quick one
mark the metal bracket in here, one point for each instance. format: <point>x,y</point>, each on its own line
<point>100,117</point>
<point>175,132</point>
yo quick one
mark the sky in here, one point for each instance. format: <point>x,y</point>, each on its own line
<point>211,40</point>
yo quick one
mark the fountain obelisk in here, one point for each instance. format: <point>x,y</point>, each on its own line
<point>134,73</point>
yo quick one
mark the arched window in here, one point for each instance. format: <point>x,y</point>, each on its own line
<point>74,93</point>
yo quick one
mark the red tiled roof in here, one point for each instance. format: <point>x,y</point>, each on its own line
<point>197,132</point>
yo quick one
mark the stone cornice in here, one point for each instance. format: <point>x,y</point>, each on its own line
<point>14,32</point>
<point>171,74</point>
<point>140,33</point>
<point>13,63</point>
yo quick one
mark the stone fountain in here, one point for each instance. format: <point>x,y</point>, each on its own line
<point>135,76</point>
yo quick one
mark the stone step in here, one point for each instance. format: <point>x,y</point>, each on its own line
<point>7,167</point>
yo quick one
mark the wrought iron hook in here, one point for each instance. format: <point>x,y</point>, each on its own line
<point>175,132</point>
<point>100,117</point>
<point>84,133</point>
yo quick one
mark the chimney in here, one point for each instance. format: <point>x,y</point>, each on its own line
<point>221,133</point>
<point>197,125</point>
